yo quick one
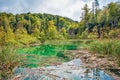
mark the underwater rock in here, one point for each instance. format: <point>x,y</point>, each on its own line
<point>72,70</point>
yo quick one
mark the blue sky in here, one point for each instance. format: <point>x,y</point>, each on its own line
<point>67,8</point>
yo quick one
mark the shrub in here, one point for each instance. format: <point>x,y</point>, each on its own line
<point>8,61</point>
<point>111,48</point>
<point>84,35</point>
<point>114,33</point>
<point>92,36</point>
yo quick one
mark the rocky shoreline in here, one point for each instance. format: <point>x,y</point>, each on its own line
<point>72,70</point>
<point>83,63</point>
<point>94,60</point>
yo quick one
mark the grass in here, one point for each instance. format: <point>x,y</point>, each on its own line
<point>107,47</point>
<point>8,61</point>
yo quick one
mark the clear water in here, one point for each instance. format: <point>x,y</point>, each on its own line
<point>45,54</point>
<point>47,49</point>
<point>72,70</point>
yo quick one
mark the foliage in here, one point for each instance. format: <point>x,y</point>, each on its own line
<point>10,37</point>
<point>109,47</point>
<point>52,31</point>
<point>105,20</point>
<point>86,14</point>
<point>93,34</point>
<point>114,33</point>
<point>22,37</point>
<point>2,36</point>
<point>8,61</point>
<point>42,36</point>
<point>30,27</point>
<point>84,35</point>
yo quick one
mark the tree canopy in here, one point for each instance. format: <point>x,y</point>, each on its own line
<point>29,27</point>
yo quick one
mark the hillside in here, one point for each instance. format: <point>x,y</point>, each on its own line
<point>34,26</point>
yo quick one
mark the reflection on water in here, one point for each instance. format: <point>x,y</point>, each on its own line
<point>72,70</point>
<point>47,49</point>
<point>45,54</point>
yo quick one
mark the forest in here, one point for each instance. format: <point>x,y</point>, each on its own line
<point>102,26</point>
<point>30,27</point>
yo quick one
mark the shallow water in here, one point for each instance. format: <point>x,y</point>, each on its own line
<point>39,60</point>
<point>41,55</point>
<point>72,70</point>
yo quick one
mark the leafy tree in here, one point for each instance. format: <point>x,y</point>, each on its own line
<point>2,36</point>
<point>85,15</point>
<point>114,9</point>
<point>36,33</point>
<point>93,34</point>
<point>10,37</point>
<point>84,35</point>
<point>114,33</point>
<point>22,37</point>
<point>52,31</point>
<point>42,36</point>
<point>63,32</point>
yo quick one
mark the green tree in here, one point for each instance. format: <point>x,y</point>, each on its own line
<point>22,37</point>
<point>114,10</point>
<point>52,31</point>
<point>36,33</point>
<point>42,36</point>
<point>9,37</point>
<point>85,15</point>
<point>2,36</point>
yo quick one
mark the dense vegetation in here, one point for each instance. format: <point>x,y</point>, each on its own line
<point>103,23</point>
<point>8,61</point>
<point>29,28</point>
<point>107,47</point>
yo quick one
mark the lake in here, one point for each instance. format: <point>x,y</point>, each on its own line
<point>40,59</point>
<point>46,54</point>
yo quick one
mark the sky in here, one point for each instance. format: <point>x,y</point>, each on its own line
<point>66,8</point>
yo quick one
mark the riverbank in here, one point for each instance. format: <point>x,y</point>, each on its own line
<point>91,60</point>
<point>94,60</point>
<point>72,70</point>
<point>82,61</point>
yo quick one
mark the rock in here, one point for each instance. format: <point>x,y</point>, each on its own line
<point>93,58</point>
<point>17,77</point>
<point>72,70</point>
<point>86,56</point>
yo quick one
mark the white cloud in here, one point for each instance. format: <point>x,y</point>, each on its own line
<point>67,8</point>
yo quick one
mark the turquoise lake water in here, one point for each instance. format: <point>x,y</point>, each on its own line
<point>41,55</point>
<point>47,54</point>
